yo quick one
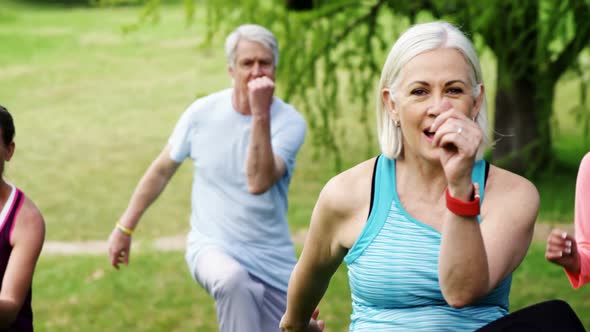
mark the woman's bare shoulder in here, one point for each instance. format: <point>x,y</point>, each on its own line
<point>505,188</point>
<point>30,216</point>
<point>343,205</point>
<point>349,190</point>
<point>502,179</point>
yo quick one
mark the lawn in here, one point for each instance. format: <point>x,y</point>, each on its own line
<point>93,106</point>
<point>155,293</point>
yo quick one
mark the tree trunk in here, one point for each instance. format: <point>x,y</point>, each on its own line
<point>522,132</point>
<point>523,95</point>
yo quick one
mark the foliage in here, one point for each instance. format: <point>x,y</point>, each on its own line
<point>86,3</point>
<point>118,2</point>
<point>332,57</point>
<point>581,114</point>
<point>66,3</point>
<point>537,43</point>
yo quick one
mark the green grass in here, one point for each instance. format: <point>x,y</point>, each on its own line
<point>93,106</point>
<point>537,280</point>
<point>156,293</point>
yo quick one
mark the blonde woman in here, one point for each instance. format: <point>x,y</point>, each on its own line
<point>429,231</point>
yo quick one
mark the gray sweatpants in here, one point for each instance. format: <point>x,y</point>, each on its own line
<point>243,302</point>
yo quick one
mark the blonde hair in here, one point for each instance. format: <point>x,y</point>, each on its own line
<point>418,39</point>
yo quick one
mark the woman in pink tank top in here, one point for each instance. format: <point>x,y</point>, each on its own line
<point>22,232</point>
<point>573,253</point>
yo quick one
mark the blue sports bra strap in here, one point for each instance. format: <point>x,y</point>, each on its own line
<point>384,177</point>
<point>479,175</point>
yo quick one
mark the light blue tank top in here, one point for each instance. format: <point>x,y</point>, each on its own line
<point>393,269</point>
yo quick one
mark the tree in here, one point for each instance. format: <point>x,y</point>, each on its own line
<point>535,44</point>
<point>336,47</point>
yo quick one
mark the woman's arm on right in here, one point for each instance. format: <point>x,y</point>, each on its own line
<point>573,254</point>
<point>582,225</point>
<point>321,256</point>
<point>148,189</point>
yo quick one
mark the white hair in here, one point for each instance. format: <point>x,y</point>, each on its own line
<point>251,32</point>
<point>416,40</point>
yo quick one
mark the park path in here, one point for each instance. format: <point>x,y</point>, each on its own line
<point>177,243</point>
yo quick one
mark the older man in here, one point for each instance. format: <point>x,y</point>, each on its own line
<point>243,142</point>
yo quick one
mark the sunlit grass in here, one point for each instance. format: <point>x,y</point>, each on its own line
<point>156,293</point>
